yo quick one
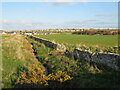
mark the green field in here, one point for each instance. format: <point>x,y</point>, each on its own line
<point>100,40</point>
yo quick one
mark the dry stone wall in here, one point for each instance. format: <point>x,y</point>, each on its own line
<point>110,60</point>
<point>47,43</point>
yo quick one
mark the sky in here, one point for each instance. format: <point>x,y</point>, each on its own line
<point>53,15</point>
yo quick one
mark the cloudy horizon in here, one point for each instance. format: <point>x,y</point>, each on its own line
<point>62,15</point>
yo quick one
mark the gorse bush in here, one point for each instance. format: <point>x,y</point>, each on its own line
<point>36,78</point>
<point>59,76</point>
<point>33,76</point>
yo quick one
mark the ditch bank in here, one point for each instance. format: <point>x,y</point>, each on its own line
<point>35,57</point>
<point>111,60</point>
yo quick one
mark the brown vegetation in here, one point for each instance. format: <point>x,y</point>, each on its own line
<point>98,32</point>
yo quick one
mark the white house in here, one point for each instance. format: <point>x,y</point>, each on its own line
<point>36,33</point>
<point>28,33</point>
<point>4,33</point>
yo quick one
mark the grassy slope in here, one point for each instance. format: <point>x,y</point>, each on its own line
<point>16,52</point>
<point>101,40</point>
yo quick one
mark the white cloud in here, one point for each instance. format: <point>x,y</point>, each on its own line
<point>35,25</point>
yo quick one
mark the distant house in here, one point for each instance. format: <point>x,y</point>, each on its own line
<point>42,34</point>
<point>28,33</point>
<point>4,33</point>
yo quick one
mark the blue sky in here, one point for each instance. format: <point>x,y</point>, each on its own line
<point>46,15</point>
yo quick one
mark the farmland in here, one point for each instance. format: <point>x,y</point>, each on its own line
<point>92,43</point>
<point>63,44</point>
<point>20,68</point>
<point>99,40</point>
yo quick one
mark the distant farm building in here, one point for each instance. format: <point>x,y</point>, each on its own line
<point>28,33</point>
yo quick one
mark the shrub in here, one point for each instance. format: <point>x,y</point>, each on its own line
<point>59,76</point>
<point>34,76</point>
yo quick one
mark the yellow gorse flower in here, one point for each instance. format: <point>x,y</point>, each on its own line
<point>59,76</point>
<point>36,75</point>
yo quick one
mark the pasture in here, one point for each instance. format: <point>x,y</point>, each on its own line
<point>93,40</point>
